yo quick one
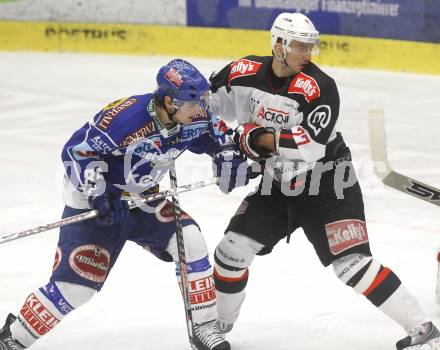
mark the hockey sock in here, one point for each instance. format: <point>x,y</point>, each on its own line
<point>381,287</point>
<point>45,308</point>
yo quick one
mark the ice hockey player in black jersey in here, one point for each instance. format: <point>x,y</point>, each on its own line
<point>287,108</point>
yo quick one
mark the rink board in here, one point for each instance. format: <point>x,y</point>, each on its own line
<point>336,50</point>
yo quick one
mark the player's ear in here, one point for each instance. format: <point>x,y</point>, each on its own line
<point>168,102</point>
<point>278,49</point>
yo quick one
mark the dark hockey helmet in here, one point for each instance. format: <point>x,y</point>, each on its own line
<point>183,82</point>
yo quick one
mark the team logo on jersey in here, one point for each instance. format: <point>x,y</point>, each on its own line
<point>242,68</point>
<point>139,134</point>
<point>305,85</point>
<point>165,212</point>
<point>112,110</point>
<point>273,115</point>
<point>37,316</point>
<point>345,234</point>
<point>58,257</point>
<point>144,147</point>
<point>319,118</point>
<point>90,262</point>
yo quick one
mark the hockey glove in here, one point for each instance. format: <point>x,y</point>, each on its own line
<point>245,136</point>
<point>230,166</point>
<point>221,131</point>
<point>110,210</point>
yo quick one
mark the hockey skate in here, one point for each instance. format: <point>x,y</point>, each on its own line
<point>208,337</point>
<point>224,327</point>
<point>424,337</point>
<point>6,341</point>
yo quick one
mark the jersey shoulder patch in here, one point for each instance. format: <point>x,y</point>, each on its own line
<point>243,67</point>
<point>305,85</point>
<point>113,110</point>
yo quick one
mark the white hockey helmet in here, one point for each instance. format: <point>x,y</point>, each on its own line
<point>293,27</point>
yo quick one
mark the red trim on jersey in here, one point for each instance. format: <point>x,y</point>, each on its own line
<point>378,280</point>
<point>286,136</point>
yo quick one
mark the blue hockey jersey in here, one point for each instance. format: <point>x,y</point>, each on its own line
<point>125,147</point>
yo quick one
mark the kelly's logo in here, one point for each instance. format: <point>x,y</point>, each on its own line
<point>305,85</point>
<point>242,68</point>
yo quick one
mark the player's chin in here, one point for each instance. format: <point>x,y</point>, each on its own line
<point>301,67</point>
<point>187,120</point>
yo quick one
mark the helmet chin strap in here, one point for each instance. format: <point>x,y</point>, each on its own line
<point>172,122</point>
<point>284,62</point>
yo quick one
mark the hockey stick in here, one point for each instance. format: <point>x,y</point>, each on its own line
<point>93,213</point>
<point>383,169</point>
<point>182,255</point>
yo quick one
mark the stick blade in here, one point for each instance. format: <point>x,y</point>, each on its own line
<point>376,126</point>
<point>400,182</point>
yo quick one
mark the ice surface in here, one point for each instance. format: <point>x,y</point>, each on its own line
<point>292,303</point>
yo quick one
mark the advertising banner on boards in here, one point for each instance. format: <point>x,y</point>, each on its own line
<point>414,20</point>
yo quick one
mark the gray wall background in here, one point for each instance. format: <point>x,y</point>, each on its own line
<point>166,12</point>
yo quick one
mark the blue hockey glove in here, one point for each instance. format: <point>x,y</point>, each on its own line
<point>230,166</point>
<point>110,210</point>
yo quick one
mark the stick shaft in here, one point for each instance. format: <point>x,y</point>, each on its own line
<point>93,213</point>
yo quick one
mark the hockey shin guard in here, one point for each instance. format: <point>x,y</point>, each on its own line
<point>200,281</point>
<point>233,255</point>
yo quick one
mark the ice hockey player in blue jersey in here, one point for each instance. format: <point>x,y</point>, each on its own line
<point>124,151</point>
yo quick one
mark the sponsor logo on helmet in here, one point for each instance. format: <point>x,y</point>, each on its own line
<point>90,262</point>
<point>112,111</point>
<point>345,234</point>
<point>305,85</point>
<point>273,115</point>
<point>58,257</point>
<point>242,68</point>
<point>37,316</point>
<point>174,77</point>
<point>139,134</point>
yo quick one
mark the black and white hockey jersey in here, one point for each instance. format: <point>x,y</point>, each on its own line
<point>302,109</point>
